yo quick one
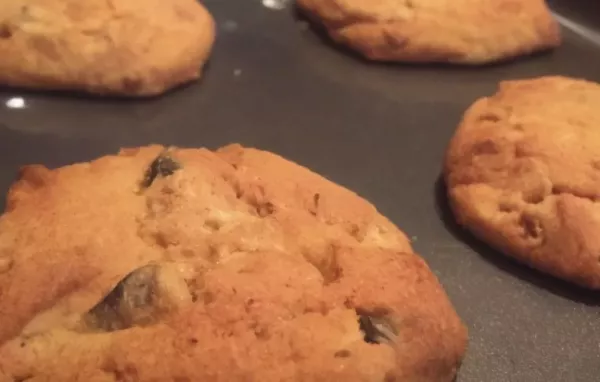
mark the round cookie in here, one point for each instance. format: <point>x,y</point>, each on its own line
<point>467,32</point>
<point>106,47</point>
<point>225,266</point>
<point>523,174</point>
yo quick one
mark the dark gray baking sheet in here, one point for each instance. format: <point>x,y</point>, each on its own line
<point>378,129</point>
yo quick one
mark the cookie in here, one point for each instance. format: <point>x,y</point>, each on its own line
<point>106,47</point>
<point>194,265</point>
<point>523,174</point>
<point>469,32</point>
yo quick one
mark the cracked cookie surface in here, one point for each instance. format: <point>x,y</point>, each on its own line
<point>467,32</point>
<point>165,264</point>
<point>106,47</point>
<point>523,174</point>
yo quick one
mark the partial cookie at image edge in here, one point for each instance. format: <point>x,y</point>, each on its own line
<point>522,175</point>
<point>129,48</point>
<point>464,32</point>
<point>224,241</point>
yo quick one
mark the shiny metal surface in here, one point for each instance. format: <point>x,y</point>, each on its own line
<point>380,130</point>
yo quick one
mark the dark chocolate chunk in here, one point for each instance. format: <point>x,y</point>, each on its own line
<point>163,165</point>
<point>377,330</point>
<point>141,298</point>
<point>130,303</point>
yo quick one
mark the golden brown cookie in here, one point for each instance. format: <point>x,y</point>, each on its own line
<point>225,266</point>
<point>523,174</point>
<point>116,47</point>
<point>450,31</point>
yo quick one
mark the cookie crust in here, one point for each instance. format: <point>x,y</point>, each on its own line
<point>228,265</point>
<point>105,47</point>
<point>522,173</point>
<point>468,32</point>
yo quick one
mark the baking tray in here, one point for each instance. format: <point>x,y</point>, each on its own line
<point>381,130</point>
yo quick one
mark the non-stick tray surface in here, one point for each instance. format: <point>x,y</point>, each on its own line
<point>380,130</point>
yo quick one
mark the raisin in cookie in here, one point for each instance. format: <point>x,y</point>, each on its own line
<point>523,174</point>
<point>450,31</point>
<point>124,47</point>
<point>225,266</point>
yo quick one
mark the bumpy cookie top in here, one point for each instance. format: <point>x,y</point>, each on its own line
<point>131,47</point>
<point>523,172</point>
<point>456,31</point>
<point>192,265</point>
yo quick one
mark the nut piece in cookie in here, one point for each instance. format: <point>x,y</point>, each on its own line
<point>231,265</point>
<point>522,174</point>
<point>105,47</point>
<point>469,32</point>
